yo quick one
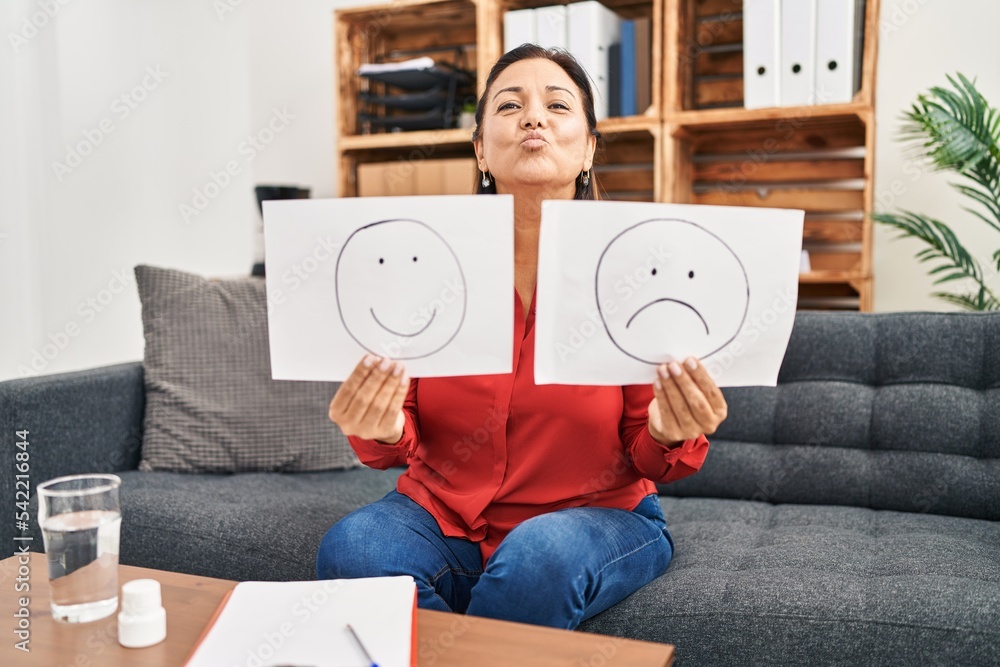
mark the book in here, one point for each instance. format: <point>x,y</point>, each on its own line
<point>262,623</point>
<point>626,73</point>
<point>643,64</point>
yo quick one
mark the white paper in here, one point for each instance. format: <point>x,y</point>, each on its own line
<point>424,62</point>
<point>305,623</point>
<point>624,286</point>
<point>425,280</point>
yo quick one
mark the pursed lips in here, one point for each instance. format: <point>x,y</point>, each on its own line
<point>533,139</point>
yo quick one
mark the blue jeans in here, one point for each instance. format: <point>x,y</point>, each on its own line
<point>556,569</point>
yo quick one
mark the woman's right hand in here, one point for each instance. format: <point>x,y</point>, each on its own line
<point>369,404</point>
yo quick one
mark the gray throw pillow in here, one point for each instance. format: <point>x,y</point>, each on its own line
<point>211,405</point>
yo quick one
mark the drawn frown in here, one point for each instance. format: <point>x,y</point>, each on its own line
<point>667,289</point>
<point>415,300</point>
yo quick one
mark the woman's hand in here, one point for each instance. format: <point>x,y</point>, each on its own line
<point>686,403</point>
<point>369,404</point>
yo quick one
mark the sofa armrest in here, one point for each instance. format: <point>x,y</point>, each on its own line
<point>87,421</point>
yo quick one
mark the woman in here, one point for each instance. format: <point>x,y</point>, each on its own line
<point>521,502</point>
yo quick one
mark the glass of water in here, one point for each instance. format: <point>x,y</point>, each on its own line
<point>81,519</point>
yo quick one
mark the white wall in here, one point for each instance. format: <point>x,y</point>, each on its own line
<point>922,41</point>
<point>74,234</point>
<point>62,242</point>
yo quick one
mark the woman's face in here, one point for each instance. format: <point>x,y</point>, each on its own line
<point>534,132</point>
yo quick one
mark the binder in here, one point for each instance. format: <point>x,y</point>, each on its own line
<point>626,71</point>
<point>518,28</point>
<point>593,29</point>
<point>550,26</point>
<point>798,52</point>
<point>379,607</point>
<point>643,64</point>
<point>836,50</point>
<point>761,53</point>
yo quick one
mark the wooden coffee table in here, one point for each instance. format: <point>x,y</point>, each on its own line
<point>445,640</point>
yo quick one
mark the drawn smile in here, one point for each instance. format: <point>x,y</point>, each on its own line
<point>406,335</point>
<point>686,305</point>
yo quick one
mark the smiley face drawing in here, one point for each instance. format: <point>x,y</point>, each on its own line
<point>414,302</point>
<point>667,289</point>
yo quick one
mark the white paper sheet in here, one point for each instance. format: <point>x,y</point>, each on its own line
<point>305,623</point>
<point>426,280</point>
<point>624,286</point>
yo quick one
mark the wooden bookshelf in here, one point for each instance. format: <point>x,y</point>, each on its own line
<point>694,144</point>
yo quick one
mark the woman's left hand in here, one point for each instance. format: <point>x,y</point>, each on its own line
<point>686,403</point>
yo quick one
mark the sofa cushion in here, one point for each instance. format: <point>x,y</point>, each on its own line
<point>895,411</point>
<point>762,584</point>
<point>211,405</point>
<point>251,526</point>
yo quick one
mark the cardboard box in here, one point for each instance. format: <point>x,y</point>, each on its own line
<point>455,176</point>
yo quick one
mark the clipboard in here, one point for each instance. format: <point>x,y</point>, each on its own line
<point>379,607</point>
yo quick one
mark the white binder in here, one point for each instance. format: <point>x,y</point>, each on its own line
<point>593,29</point>
<point>518,28</point>
<point>836,50</point>
<point>761,53</point>
<point>798,52</point>
<point>550,26</point>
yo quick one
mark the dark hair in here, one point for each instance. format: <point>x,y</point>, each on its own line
<point>575,72</point>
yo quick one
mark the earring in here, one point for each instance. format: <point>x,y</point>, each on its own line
<point>586,178</point>
<point>486,180</point>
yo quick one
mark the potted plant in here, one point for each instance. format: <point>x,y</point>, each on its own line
<point>956,130</point>
<point>467,116</point>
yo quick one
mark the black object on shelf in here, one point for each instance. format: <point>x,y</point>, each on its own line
<point>422,78</point>
<point>436,119</point>
<point>268,193</point>
<point>432,98</point>
<point>434,93</point>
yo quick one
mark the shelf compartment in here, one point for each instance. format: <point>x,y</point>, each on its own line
<point>628,168</point>
<point>393,33</point>
<point>424,177</point>
<point>404,165</point>
<point>709,39</point>
<point>813,163</point>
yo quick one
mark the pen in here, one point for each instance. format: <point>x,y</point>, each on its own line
<point>368,656</point>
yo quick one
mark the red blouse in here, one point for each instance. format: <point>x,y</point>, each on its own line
<point>487,452</point>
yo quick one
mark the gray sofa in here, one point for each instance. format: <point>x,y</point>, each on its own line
<point>851,515</point>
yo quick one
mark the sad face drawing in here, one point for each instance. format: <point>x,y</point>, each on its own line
<point>667,289</point>
<point>415,302</point>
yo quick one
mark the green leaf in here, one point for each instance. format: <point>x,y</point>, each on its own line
<point>967,301</point>
<point>954,276</point>
<point>957,129</point>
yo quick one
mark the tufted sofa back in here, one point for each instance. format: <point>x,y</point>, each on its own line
<point>894,411</point>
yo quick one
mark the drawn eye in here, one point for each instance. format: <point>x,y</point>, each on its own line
<point>381,260</point>
<point>690,274</point>
<point>414,259</point>
<point>653,272</point>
